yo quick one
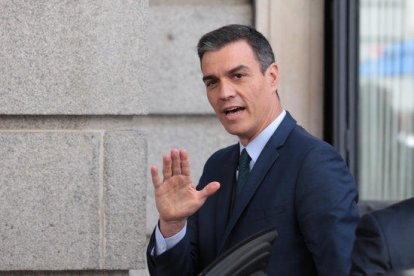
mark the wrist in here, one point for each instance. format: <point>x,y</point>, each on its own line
<point>170,228</point>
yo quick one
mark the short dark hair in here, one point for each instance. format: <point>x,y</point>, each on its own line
<point>219,38</point>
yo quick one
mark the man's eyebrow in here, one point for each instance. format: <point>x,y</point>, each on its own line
<point>229,72</point>
<point>237,68</point>
<point>208,77</point>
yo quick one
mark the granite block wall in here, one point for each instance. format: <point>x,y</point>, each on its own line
<point>91,94</point>
<point>66,196</point>
<point>68,57</point>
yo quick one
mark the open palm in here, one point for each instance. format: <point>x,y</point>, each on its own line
<point>176,196</point>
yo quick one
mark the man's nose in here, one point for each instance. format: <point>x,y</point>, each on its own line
<point>227,90</point>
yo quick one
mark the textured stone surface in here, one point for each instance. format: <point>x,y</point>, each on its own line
<point>175,77</point>
<point>73,57</point>
<point>72,200</point>
<point>201,136</point>
<point>73,192</point>
<point>125,192</point>
<point>141,272</point>
<point>49,205</point>
<point>65,273</point>
<point>198,2</point>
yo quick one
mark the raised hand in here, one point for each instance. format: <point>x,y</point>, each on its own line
<point>176,196</point>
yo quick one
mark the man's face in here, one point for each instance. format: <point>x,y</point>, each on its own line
<point>243,98</point>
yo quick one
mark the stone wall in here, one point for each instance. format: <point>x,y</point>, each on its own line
<point>91,94</point>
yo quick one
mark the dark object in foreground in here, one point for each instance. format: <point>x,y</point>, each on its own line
<point>249,257</point>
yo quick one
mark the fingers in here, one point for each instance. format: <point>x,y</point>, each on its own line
<point>210,189</point>
<point>166,166</point>
<point>176,163</point>
<point>185,163</point>
<point>156,181</point>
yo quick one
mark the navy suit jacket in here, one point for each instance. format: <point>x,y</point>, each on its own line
<point>385,240</point>
<point>299,185</point>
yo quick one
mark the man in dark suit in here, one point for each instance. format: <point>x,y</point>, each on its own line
<point>385,241</point>
<point>278,176</point>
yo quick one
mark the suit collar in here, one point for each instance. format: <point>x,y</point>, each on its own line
<point>225,195</point>
<point>282,132</point>
<point>256,146</point>
<point>265,161</point>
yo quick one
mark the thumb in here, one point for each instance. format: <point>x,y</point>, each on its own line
<point>210,189</point>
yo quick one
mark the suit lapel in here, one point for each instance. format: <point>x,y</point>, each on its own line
<point>266,159</point>
<point>227,179</point>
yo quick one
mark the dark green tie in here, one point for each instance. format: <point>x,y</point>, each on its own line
<point>244,169</point>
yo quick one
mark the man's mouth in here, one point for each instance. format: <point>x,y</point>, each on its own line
<point>233,110</point>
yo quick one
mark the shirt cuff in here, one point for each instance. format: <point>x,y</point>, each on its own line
<point>163,244</point>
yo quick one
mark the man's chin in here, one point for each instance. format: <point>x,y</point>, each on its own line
<point>233,131</point>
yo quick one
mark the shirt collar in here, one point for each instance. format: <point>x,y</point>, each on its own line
<point>255,147</point>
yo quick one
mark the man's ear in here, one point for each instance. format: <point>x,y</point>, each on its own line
<point>273,73</point>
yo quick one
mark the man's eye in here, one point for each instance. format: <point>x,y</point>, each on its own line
<point>238,76</point>
<point>211,83</point>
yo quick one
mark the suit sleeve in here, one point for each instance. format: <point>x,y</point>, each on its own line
<point>179,260</point>
<point>327,212</point>
<point>370,254</point>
